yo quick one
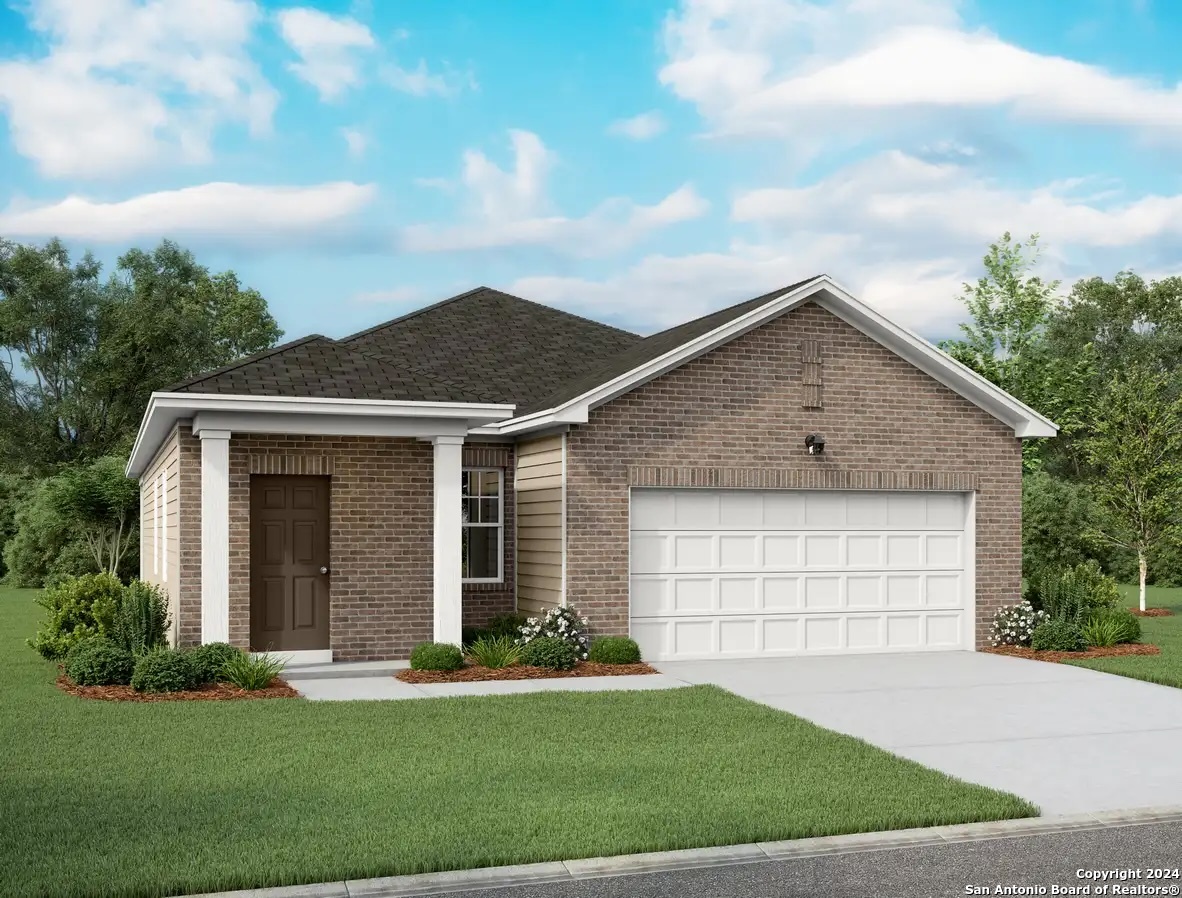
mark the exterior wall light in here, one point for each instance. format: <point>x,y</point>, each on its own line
<point>814,443</point>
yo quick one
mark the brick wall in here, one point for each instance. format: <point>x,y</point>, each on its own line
<point>380,525</point>
<point>740,407</point>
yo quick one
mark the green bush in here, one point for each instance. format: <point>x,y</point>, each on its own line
<point>252,671</point>
<point>98,661</point>
<point>495,651</point>
<point>1072,593</point>
<point>507,624</point>
<point>549,651</point>
<point>141,623</point>
<point>1058,636</point>
<point>1057,516</point>
<point>163,670</point>
<point>1111,626</point>
<point>79,607</point>
<point>614,650</point>
<point>436,656</point>
<point>209,661</point>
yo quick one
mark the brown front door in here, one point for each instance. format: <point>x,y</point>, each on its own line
<point>288,563</point>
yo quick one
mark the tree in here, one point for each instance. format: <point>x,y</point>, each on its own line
<point>102,503</point>
<point>1136,448</point>
<point>1008,310</point>
<point>83,354</point>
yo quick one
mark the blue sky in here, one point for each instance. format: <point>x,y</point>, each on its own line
<point>636,162</point>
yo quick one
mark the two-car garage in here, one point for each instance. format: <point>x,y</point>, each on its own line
<point>748,573</point>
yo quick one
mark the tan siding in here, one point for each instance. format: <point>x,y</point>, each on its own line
<point>160,562</point>
<point>539,524</point>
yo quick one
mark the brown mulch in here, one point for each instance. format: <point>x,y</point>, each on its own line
<point>473,673</point>
<point>1019,651</point>
<point>1152,612</point>
<point>211,692</point>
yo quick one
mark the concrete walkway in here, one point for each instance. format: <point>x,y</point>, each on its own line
<point>387,687</point>
<point>1068,739</point>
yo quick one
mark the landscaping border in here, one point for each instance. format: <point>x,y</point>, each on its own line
<point>210,692</point>
<point>689,859</point>
<point>1123,650</point>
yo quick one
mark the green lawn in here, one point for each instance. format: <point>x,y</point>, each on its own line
<point>1165,632</point>
<point>159,799</point>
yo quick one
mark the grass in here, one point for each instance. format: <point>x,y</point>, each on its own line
<point>1164,632</point>
<point>136,799</point>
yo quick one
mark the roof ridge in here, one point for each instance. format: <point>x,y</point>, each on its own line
<point>246,360</point>
<point>435,305</point>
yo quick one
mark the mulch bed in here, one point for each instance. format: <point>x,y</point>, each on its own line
<point>1115,651</point>
<point>1152,612</point>
<point>211,692</point>
<point>474,673</point>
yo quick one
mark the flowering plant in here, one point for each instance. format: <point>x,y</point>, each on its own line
<point>1015,625</point>
<point>561,623</point>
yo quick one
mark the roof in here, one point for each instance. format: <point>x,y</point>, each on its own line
<point>650,348</point>
<point>502,345</point>
<point>317,367</point>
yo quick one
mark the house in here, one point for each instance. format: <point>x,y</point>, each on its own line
<point>350,498</point>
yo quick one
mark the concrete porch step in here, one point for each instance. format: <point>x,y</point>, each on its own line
<point>339,669</point>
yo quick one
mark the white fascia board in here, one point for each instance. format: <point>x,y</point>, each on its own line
<point>327,425</point>
<point>165,409</point>
<point>1025,421</point>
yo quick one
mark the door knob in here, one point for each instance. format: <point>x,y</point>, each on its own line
<point>323,569</point>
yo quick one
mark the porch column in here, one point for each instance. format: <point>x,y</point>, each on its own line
<point>215,535</point>
<point>448,580</point>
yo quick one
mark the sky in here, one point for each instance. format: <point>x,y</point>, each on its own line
<point>636,162</point>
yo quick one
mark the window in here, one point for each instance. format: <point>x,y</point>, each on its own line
<point>484,525</point>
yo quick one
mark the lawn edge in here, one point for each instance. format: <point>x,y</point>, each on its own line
<point>724,855</point>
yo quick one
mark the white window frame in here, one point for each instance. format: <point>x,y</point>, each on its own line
<point>499,525</point>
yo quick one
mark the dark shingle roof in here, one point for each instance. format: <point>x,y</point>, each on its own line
<point>650,348</point>
<point>516,350</point>
<point>317,367</point>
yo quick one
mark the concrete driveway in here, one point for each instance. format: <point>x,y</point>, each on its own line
<point>1068,739</point>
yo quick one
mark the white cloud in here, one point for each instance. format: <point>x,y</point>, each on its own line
<point>127,84</point>
<point>787,67</point>
<point>231,214</point>
<point>421,82</point>
<point>356,142</point>
<point>329,47</point>
<point>511,208</point>
<point>645,126</point>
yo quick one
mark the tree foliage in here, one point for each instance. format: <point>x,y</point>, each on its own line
<point>101,503</point>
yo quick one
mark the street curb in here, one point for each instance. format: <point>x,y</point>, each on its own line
<point>692,858</point>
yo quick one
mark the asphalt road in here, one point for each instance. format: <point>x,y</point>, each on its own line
<point>941,871</point>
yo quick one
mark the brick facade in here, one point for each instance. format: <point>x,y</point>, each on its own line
<point>380,524</point>
<point>735,417</point>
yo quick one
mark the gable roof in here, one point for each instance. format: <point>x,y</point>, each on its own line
<point>317,367</point>
<point>653,347</point>
<point>509,348</point>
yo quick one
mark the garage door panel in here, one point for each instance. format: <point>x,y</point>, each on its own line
<point>742,573</point>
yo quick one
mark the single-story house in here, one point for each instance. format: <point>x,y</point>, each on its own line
<point>793,474</point>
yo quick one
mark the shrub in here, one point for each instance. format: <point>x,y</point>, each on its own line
<point>79,607</point>
<point>614,650</point>
<point>558,623</point>
<point>1111,626</point>
<point>163,670</point>
<point>470,635</point>
<point>1073,593</point>
<point>209,661</point>
<point>507,624</point>
<point>98,661</point>
<point>1058,636</point>
<point>252,671</point>
<point>495,651</point>
<point>436,656</point>
<point>549,651</point>
<point>141,623</point>
<point>1016,624</point>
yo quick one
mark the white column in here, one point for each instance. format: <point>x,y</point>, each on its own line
<point>448,580</point>
<point>215,535</point>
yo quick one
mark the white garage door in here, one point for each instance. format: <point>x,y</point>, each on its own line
<point>743,573</point>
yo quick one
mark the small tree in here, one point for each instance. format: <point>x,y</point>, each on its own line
<point>1136,448</point>
<point>102,502</point>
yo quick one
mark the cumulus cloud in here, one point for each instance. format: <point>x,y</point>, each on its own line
<point>511,208</point>
<point>785,66</point>
<point>645,126</point>
<point>355,141</point>
<point>223,213</point>
<point>126,84</point>
<point>329,48</point>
